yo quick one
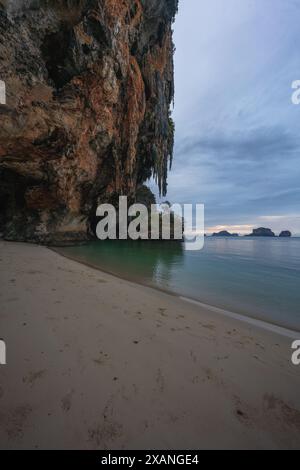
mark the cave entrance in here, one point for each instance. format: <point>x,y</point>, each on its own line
<point>57,50</point>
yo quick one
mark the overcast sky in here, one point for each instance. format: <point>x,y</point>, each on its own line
<point>237,132</point>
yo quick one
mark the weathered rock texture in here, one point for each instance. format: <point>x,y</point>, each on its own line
<point>89,84</point>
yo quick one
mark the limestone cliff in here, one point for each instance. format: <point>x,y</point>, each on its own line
<point>89,85</point>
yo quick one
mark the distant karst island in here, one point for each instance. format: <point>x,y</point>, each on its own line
<point>262,232</point>
<point>257,232</point>
<point>267,232</point>
<point>224,233</point>
<point>285,234</point>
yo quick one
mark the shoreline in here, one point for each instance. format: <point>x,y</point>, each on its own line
<point>269,326</point>
<point>98,362</point>
<point>293,334</point>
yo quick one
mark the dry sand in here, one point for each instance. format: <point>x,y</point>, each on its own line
<point>95,362</point>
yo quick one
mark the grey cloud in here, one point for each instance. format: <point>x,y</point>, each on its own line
<point>254,145</point>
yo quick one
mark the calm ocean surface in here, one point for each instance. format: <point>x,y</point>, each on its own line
<point>257,277</point>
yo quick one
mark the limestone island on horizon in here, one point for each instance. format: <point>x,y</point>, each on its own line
<point>258,232</point>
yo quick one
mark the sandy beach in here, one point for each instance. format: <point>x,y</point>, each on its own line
<point>97,362</point>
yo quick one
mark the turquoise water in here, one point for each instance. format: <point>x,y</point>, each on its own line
<point>257,277</point>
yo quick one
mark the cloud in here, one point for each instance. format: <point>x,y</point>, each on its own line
<point>237,132</point>
<point>254,144</point>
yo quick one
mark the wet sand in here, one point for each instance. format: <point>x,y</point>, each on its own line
<point>97,362</point>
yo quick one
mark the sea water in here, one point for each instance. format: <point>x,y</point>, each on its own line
<point>256,277</point>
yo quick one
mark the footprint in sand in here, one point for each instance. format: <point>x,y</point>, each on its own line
<point>160,380</point>
<point>104,434</point>
<point>32,377</point>
<point>222,358</point>
<point>16,420</point>
<point>162,312</point>
<point>66,401</point>
<point>243,412</point>
<point>101,360</point>
<point>208,326</point>
<point>281,411</point>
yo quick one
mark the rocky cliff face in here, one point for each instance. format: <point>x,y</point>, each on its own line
<point>89,84</point>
